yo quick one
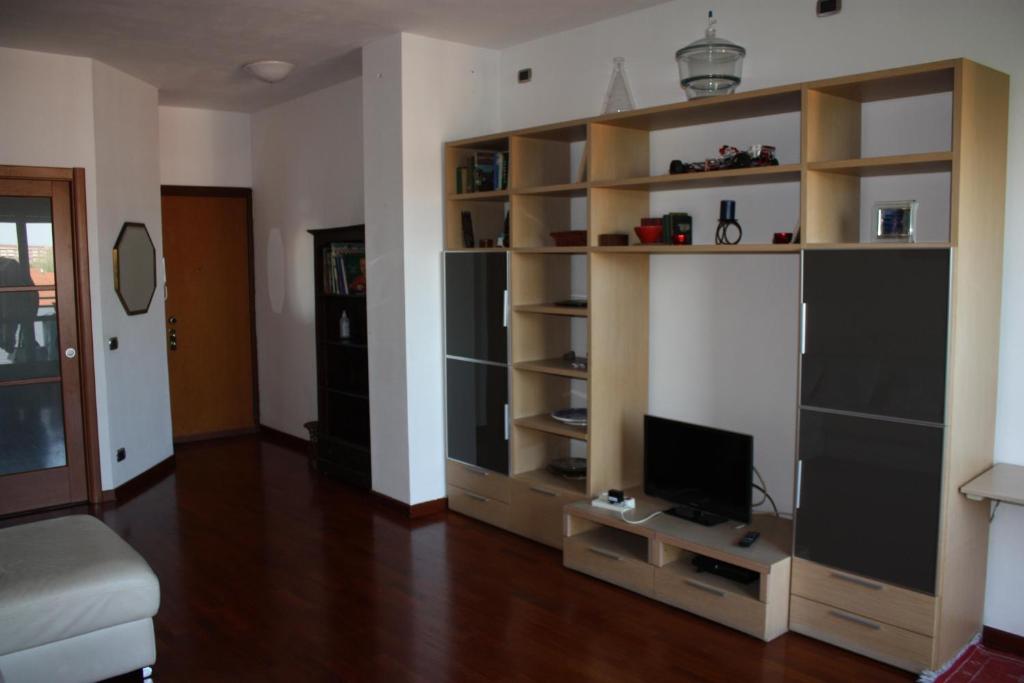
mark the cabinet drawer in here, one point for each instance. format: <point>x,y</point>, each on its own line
<point>890,644</point>
<point>478,480</point>
<point>874,599</point>
<point>611,555</point>
<point>537,511</point>
<point>711,597</point>
<point>479,507</point>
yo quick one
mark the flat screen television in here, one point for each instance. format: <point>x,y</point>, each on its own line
<point>706,472</point>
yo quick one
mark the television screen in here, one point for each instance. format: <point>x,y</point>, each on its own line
<point>704,469</point>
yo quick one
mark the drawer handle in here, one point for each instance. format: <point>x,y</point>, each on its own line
<point>604,553</point>
<point>480,472</point>
<point>857,581</point>
<point>856,620</point>
<point>543,492</point>
<point>479,499</point>
<point>706,589</point>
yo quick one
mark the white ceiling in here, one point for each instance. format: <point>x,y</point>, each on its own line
<point>193,50</point>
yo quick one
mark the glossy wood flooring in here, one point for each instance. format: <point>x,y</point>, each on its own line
<point>269,572</point>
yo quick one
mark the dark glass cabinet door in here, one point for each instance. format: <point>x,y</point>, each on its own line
<point>475,291</point>
<point>875,332</point>
<point>869,497</point>
<point>477,427</point>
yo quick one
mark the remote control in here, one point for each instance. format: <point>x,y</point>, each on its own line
<point>749,538</point>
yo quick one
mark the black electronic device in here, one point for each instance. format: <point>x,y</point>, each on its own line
<point>706,472</point>
<point>827,8</point>
<point>748,539</point>
<point>724,569</point>
<point>616,496</point>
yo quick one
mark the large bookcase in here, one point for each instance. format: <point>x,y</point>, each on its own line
<point>935,130</point>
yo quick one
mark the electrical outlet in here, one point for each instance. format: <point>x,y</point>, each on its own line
<point>525,75</point>
<point>121,454</point>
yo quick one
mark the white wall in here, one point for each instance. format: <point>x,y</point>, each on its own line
<point>418,93</point>
<point>70,111</point>
<point>205,147</point>
<point>128,189</point>
<point>307,173</point>
<point>385,262</point>
<point>48,121</point>
<point>786,43</point>
<point>724,337</point>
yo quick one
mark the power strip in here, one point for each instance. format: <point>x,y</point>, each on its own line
<point>602,502</point>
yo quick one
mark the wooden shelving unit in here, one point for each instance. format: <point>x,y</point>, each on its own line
<point>607,172</point>
<point>343,399</point>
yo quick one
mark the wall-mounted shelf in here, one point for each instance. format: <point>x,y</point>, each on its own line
<point>489,196</point>
<point>553,309</point>
<point>546,423</point>
<point>701,249</point>
<point>787,173</point>
<point>928,162</point>
<point>550,480</point>
<point>551,366</point>
<point>560,190</point>
<point>1003,482</point>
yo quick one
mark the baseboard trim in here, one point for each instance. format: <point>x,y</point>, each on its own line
<point>1003,640</point>
<point>141,482</point>
<point>293,443</point>
<point>417,511</point>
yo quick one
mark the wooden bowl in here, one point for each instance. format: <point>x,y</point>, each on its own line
<point>649,234</point>
<point>570,238</point>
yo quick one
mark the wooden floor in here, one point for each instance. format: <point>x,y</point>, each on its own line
<point>269,572</point>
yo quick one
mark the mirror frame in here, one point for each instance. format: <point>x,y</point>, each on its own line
<point>117,267</point>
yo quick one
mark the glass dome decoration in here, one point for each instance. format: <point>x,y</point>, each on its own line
<point>711,65</point>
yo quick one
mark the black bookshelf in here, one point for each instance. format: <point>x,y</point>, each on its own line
<point>342,368</point>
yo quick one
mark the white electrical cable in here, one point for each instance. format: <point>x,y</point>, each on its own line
<point>639,521</point>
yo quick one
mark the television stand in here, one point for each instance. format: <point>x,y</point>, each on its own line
<point>656,558</point>
<point>694,515</point>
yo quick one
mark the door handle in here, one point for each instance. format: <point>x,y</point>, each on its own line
<point>173,320</point>
<point>803,328</point>
<point>70,352</point>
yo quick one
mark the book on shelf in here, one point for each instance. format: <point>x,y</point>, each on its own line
<point>487,173</point>
<point>345,268</point>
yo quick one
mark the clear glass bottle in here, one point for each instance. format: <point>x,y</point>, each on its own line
<point>619,97</point>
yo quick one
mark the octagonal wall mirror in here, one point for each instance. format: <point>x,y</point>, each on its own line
<point>134,268</point>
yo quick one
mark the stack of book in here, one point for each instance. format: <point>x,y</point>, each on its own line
<point>488,172</point>
<point>345,268</point>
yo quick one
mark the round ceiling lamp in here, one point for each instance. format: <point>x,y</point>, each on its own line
<point>270,70</point>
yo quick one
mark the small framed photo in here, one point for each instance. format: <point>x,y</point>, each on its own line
<point>894,220</point>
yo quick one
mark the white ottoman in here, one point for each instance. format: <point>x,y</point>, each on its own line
<point>76,603</point>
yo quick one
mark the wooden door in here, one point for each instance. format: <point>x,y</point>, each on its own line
<point>42,447</point>
<point>210,344</point>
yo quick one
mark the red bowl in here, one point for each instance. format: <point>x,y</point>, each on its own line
<point>649,234</point>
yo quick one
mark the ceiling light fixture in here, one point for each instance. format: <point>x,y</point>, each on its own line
<point>270,70</point>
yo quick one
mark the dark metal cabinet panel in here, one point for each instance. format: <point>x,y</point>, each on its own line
<point>876,330</point>
<point>477,395</point>
<point>869,497</point>
<point>475,293</point>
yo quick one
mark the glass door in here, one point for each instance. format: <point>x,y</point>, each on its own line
<point>42,455</point>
